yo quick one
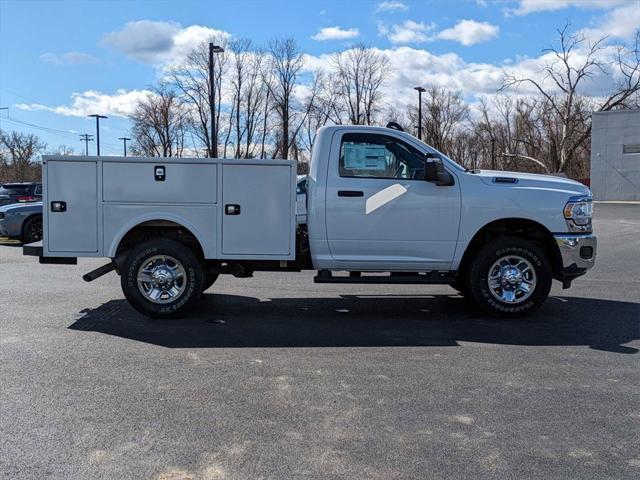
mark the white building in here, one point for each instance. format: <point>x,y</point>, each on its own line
<point>615,155</point>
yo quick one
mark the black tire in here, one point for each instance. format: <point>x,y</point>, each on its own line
<point>192,278</point>
<point>32,229</point>
<point>209,279</point>
<point>502,248</point>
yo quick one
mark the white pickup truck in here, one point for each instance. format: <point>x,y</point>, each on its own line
<point>381,207</point>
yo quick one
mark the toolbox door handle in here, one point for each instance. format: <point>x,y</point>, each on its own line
<point>232,209</point>
<point>58,206</point>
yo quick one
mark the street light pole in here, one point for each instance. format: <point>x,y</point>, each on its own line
<point>124,140</point>
<point>97,117</point>
<point>214,138</point>
<point>420,90</point>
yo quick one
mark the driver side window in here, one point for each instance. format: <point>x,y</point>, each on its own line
<point>370,155</point>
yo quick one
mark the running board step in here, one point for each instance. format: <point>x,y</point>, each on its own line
<point>326,276</point>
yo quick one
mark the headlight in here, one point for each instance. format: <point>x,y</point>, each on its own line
<point>578,212</point>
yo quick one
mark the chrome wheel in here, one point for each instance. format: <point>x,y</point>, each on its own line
<point>161,279</point>
<point>512,279</point>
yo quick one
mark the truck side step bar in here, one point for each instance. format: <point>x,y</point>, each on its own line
<point>98,272</point>
<point>326,276</point>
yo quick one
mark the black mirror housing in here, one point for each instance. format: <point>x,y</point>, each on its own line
<point>434,171</point>
<point>431,171</point>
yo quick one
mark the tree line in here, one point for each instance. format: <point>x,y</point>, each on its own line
<point>269,105</point>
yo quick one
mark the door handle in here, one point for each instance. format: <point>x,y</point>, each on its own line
<point>350,193</point>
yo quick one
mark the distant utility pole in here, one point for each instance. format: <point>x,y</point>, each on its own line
<point>86,138</point>
<point>212,99</point>
<point>493,154</point>
<point>124,141</point>
<point>97,117</point>
<point>420,90</point>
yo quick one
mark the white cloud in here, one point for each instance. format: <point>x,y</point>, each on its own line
<point>469,32</point>
<point>466,32</point>
<point>410,66</point>
<point>621,22</point>
<point>68,58</point>
<point>526,7</point>
<point>408,32</point>
<point>120,104</point>
<point>391,6</point>
<point>335,33</point>
<point>159,43</point>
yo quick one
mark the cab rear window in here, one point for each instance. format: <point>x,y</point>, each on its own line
<point>9,190</point>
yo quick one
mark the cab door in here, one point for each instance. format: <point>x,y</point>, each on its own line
<point>380,212</point>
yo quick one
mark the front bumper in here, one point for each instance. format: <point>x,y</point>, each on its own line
<point>578,253</point>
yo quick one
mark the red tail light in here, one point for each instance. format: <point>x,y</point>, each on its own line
<point>26,198</point>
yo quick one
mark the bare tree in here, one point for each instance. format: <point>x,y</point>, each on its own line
<point>360,72</point>
<point>62,150</point>
<point>321,107</point>
<point>285,63</point>
<point>249,94</point>
<point>443,112</point>
<point>159,124</point>
<point>192,80</point>
<point>18,156</point>
<point>254,99</point>
<point>575,60</point>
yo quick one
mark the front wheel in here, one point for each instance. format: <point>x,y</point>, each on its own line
<point>162,278</point>
<point>510,277</point>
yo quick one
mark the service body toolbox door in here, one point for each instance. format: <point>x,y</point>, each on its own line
<point>258,210</point>
<point>71,206</point>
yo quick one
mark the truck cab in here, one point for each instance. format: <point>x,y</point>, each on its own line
<point>381,207</point>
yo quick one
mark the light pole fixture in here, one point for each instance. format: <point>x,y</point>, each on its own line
<point>214,138</point>
<point>420,90</point>
<point>97,117</point>
<point>124,141</point>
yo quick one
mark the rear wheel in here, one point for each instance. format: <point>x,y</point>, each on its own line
<point>510,277</point>
<point>32,229</point>
<point>162,278</point>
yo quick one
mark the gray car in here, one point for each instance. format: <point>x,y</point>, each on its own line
<point>22,221</point>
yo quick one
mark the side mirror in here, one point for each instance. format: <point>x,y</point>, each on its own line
<point>435,172</point>
<point>431,170</point>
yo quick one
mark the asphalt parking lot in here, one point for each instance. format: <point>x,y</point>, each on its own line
<point>275,377</point>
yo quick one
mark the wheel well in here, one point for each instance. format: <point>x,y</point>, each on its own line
<point>24,222</point>
<point>513,227</point>
<point>158,229</point>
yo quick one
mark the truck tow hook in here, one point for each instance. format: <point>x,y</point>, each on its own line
<point>98,272</point>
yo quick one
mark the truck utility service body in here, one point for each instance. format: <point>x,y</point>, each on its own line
<point>377,200</point>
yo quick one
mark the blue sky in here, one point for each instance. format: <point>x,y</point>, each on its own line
<point>61,59</point>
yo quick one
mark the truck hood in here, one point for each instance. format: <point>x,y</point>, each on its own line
<point>531,180</point>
